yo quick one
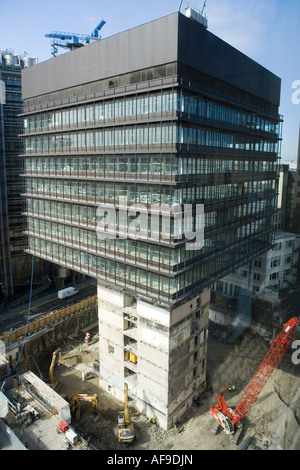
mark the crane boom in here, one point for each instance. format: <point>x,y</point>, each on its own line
<point>51,376</point>
<point>125,426</point>
<point>73,40</point>
<point>126,409</point>
<point>203,8</point>
<point>228,418</point>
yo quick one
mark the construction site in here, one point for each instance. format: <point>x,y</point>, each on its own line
<point>151,183</point>
<point>56,403</point>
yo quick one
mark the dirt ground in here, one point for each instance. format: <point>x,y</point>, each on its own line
<point>275,415</point>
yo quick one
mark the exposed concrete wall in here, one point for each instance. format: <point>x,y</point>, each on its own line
<point>111,347</point>
<point>169,348</point>
<point>49,331</point>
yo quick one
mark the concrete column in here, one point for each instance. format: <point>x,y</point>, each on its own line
<point>159,351</point>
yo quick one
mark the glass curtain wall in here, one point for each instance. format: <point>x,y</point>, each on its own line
<point>163,149</point>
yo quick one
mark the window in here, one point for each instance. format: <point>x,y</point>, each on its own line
<point>275,262</point>
<point>289,244</point>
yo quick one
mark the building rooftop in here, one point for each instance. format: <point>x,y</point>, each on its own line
<point>165,40</point>
<point>279,234</point>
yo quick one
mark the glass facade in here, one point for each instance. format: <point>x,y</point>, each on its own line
<point>167,145</point>
<point>13,261</point>
<point>131,136</point>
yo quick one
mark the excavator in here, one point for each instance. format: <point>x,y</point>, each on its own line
<point>230,420</point>
<point>51,370</point>
<point>125,426</point>
<point>75,399</point>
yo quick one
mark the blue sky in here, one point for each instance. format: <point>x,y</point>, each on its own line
<point>265,30</point>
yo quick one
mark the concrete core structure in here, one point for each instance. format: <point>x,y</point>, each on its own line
<point>159,352</point>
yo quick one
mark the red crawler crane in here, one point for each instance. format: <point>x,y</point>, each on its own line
<point>228,418</point>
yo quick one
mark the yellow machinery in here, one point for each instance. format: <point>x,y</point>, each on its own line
<point>125,427</point>
<point>51,375</point>
<point>75,399</point>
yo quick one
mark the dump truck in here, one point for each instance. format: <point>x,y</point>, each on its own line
<point>68,292</point>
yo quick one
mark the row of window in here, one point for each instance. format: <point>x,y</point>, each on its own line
<point>130,137</point>
<point>280,245</point>
<point>78,237</point>
<point>44,207</point>
<point>277,261</point>
<point>139,193</point>
<point>132,276</point>
<point>148,105</point>
<point>286,273</point>
<point>197,106</point>
<point>141,164</point>
<point>234,290</point>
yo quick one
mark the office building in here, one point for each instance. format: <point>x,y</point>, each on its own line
<point>165,115</point>
<point>271,273</point>
<point>297,192</point>
<point>286,197</point>
<point>14,265</point>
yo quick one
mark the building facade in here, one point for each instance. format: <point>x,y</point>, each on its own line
<point>13,260</point>
<point>146,128</point>
<point>297,192</point>
<point>272,272</point>
<point>286,197</point>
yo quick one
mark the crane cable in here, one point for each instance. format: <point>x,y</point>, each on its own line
<point>27,323</point>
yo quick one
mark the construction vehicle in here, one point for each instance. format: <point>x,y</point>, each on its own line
<point>230,420</point>
<point>125,426</point>
<point>75,399</point>
<point>51,370</point>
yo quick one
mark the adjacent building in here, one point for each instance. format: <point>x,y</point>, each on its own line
<point>123,139</point>
<point>13,261</point>
<point>286,197</point>
<point>265,280</point>
<point>297,192</point>
<point>269,274</point>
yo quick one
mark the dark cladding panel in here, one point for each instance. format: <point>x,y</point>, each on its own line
<point>151,44</point>
<point>204,51</point>
<point>162,41</point>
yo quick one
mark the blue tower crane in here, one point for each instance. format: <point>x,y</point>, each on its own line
<point>73,40</point>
